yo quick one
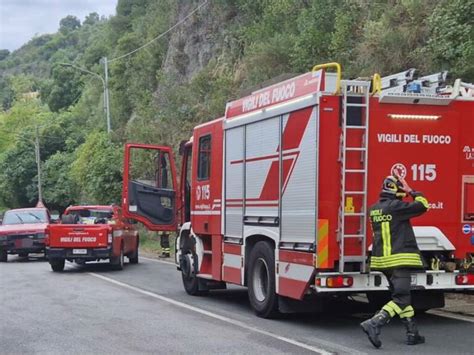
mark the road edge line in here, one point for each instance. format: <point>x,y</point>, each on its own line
<point>219,317</point>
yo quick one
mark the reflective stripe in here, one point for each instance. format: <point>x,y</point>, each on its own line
<point>423,200</point>
<point>401,259</point>
<point>392,308</point>
<point>407,312</point>
<point>400,262</point>
<point>386,239</point>
<point>322,261</point>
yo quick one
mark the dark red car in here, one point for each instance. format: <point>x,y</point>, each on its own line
<point>23,231</point>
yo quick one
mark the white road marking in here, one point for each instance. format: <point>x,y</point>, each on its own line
<point>225,319</point>
<point>450,315</point>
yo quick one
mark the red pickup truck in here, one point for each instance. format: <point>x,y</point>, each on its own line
<point>23,231</point>
<point>91,233</point>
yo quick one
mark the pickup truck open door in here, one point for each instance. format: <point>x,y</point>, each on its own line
<point>150,193</point>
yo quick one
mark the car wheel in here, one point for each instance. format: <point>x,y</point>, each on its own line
<point>117,261</point>
<point>57,265</point>
<point>261,280</point>
<point>133,258</point>
<point>3,256</point>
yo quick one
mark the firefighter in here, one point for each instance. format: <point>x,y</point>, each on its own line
<point>165,245</point>
<point>395,253</point>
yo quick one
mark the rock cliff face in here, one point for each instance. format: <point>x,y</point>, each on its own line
<point>194,43</point>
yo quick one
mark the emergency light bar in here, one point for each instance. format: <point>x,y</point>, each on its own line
<point>414,117</point>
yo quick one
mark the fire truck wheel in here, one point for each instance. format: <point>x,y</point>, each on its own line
<point>261,281</point>
<point>133,257</point>
<point>117,261</point>
<point>190,281</point>
<point>3,256</point>
<point>57,265</point>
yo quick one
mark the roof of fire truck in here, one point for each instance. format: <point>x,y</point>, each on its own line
<point>406,87</point>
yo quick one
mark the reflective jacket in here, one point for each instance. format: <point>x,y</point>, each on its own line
<point>394,243</point>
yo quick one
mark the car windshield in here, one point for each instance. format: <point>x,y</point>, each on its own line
<point>25,217</point>
<point>90,216</point>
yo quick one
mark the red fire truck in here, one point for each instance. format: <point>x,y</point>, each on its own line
<point>274,195</point>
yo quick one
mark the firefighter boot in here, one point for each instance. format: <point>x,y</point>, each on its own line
<point>165,253</point>
<point>413,337</point>
<point>372,327</point>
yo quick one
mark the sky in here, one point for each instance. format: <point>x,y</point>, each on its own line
<point>21,20</point>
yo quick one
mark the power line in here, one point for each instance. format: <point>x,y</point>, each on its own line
<point>162,34</point>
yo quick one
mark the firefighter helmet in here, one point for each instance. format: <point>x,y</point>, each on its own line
<point>393,186</point>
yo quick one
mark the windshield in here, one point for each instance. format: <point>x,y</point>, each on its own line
<point>25,217</point>
<point>87,216</point>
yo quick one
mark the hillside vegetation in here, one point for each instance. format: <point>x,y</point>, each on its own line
<point>159,93</point>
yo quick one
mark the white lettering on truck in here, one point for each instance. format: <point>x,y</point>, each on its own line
<point>413,138</point>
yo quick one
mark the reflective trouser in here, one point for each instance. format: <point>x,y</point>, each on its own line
<point>399,284</point>
<point>165,243</point>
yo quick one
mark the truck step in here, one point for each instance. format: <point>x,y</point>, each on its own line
<point>205,276</point>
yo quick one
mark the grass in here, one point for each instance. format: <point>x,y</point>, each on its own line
<point>150,241</point>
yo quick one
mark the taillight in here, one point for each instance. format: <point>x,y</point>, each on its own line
<point>339,281</point>
<point>46,238</point>
<point>109,238</point>
<point>465,279</point>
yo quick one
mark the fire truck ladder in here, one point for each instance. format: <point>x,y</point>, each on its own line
<point>355,93</point>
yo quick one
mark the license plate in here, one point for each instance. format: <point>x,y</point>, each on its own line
<point>79,251</point>
<point>413,279</point>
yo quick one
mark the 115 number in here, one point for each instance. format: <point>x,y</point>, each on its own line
<point>423,172</point>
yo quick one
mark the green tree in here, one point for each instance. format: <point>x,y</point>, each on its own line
<point>64,89</point>
<point>68,24</point>
<point>91,19</point>
<point>451,41</point>
<point>4,53</point>
<point>60,190</point>
<point>97,171</point>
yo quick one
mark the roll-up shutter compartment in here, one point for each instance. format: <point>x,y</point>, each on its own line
<point>468,203</point>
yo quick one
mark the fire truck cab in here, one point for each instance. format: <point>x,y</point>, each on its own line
<point>274,195</point>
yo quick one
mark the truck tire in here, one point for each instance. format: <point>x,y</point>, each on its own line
<point>117,261</point>
<point>261,280</point>
<point>57,265</point>
<point>133,257</point>
<point>3,256</point>
<point>191,283</point>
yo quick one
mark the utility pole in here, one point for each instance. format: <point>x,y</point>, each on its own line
<point>106,94</point>
<point>38,165</point>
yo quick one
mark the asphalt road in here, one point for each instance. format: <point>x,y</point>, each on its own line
<point>144,309</point>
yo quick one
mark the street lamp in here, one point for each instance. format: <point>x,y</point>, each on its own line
<point>105,86</point>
